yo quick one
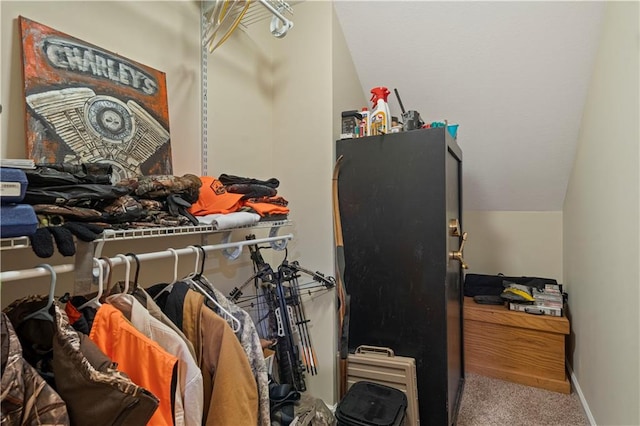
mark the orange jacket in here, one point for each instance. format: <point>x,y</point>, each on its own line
<point>142,359</point>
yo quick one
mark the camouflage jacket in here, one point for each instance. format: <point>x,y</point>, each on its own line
<point>160,186</point>
<point>26,398</point>
<point>250,341</point>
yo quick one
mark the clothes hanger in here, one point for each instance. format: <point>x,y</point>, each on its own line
<point>127,271</point>
<point>95,302</point>
<point>199,277</point>
<point>135,277</point>
<point>194,274</point>
<point>107,285</point>
<point>204,257</point>
<point>169,287</point>
<point>43,313</point>
<point>235,323</point>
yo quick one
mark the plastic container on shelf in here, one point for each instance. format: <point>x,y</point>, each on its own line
<point>364,122</point>
<point>380,115</point>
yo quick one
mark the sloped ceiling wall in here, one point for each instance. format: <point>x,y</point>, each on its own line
<point>514,75</point>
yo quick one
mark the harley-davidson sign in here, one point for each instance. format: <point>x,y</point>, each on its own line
<point>86,105</point>
<point>67,55</point>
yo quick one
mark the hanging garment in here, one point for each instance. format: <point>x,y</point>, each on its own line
<point>142,359</point>
<point>189,398</point>
<point>250,341</point>
<point>35,335</point>
<point>230,392</point>
<point>170,302</point>
<point>26,399</point>
<point>80,319</point>
<point>95,391</point>
<point>146,300</point>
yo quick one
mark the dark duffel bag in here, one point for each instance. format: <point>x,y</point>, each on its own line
<point>82,195</point>
<point>493,285</point>
<point>43,176</point>
<point>46,176</point>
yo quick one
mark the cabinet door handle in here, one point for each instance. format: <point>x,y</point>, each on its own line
<point>457,255</point>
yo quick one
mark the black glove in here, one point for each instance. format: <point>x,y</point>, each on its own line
<point>42,241</point>
<point>177,206</point>
<point>84,231</point>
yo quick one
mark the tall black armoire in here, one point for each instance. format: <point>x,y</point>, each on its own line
<point>401,210</point>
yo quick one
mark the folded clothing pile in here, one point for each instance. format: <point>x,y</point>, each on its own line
<point>67,199</point>
<point>228,194</point>
<point>155,201</point>
<point>18,219</point>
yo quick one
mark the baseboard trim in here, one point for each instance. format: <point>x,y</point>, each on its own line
<point>583,401</point>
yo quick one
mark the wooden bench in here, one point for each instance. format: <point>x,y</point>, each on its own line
<point>515,346</point>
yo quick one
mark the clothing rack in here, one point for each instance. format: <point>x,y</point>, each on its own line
<point>23,274</point>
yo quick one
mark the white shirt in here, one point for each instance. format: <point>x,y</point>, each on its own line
<point>189,404</point>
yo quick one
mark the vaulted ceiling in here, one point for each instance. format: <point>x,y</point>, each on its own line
<point>513,75</point>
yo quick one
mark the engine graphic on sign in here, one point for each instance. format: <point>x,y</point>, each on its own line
<point>101,128</point>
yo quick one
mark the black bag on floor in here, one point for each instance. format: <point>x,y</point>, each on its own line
<point>282,399</point>
<point>493,285</point>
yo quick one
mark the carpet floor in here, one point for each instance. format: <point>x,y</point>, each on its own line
<point>492,402</point>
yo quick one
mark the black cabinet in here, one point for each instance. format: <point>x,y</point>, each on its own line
<point>401,210</point>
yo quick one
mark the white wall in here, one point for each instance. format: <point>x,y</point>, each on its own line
<point>600,223</point>
<point>309,68</point>
<point>514,243</point>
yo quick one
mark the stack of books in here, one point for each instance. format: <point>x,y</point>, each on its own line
<point>548,301</point>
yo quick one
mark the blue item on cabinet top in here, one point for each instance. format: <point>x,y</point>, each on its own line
<point>13,185</point>
<point>17,220</point>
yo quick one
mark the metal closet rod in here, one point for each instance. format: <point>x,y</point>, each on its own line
<point>59,269</point>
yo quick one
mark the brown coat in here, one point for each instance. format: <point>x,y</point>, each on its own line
<point>95,391</point>
<point>230,391</point>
